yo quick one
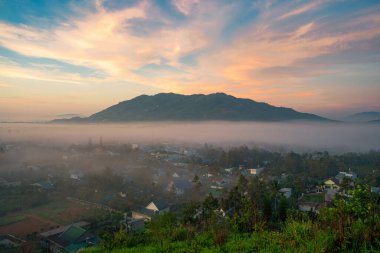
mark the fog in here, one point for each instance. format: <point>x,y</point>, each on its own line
<point>295,135</point>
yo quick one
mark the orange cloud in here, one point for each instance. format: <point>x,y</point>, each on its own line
<point>258,60</point>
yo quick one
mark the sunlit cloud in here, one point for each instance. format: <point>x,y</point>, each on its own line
<point>273,54</point>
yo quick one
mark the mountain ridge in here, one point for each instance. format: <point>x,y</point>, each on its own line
<point>363,116</point>
<point>195,107</point>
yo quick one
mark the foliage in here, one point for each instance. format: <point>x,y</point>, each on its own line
<point>351,224</point>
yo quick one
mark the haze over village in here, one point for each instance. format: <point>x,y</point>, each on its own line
<point>189,126</point>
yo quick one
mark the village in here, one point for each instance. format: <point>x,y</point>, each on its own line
<point>60,198</point>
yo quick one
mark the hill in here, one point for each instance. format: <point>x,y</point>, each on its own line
<point>198,107</point>
<point>377,121</point>
<point>363,117</point>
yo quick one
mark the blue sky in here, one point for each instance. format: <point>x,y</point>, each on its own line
<point>78,56</point>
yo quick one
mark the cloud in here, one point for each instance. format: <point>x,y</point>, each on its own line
<point>204,46</point>
<point>184,6</point>
<point>303,9</point>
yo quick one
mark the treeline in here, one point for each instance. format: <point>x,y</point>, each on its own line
<point>315,165</point>
<point>254,217</point>
<point>19,198</point>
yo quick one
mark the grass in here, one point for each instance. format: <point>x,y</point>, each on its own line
<point>9,219</point>
<point>62,212</point>
<point>316,197</point>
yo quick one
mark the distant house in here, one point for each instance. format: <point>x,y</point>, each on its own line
<point>229,170</point>
<point>5,183</point>
<point>70,238</point>
<point>44,185</point>
<point>252,172</point>
<point>10,242</point>
<point>311,202</point>
<point>331,183</point>
<point>179,186</point>
<point>76,175</point>
<point>310,206</point>
<point>34,168</point>
<point>14,183</point>
<point>286,192</point>
<point>154,208</point>
<point>375,190</point>
<point>134,225</point>
<point>330,194</point>
<point>350,175</point>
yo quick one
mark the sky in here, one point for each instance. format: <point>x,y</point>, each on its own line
<point>81,56</point>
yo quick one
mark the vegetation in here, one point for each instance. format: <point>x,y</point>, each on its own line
<point>19,198</point>
<point>245,222</point>
<point>198,107</point>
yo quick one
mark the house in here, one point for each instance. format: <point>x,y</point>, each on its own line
<point>159,206</point>
<point>331,183</point>
<point>311,202</point>
<point>5,183</point>
<point>286,192</point>
<point>123,194</point>
<point>252,172</point>
<point>14,183</point>
<point>76,175</point>
<point>229,170</point>
<point>70,238</point>
<point>134,225</point>
<point>154,208</point>
<point>10,242</point>
<point>375,190</point>
<point>44,185</point>
<point>179,186</point>
<point>310,206</point>
<point>350,175</point>
<point>330,194</point>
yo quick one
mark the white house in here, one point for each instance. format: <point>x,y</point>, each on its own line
<point>342,174</point>
<point>286,192</point>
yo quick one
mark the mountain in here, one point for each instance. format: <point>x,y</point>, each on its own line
<point>68,116</point>
<point>363,117</point>
<point>377,121</point>
<point>198,107</point>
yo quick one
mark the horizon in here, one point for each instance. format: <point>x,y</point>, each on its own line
<point>70,57</point>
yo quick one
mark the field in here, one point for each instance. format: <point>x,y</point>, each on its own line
<point>29,225</point>
<point>46,217</point>
<point>315,197</point>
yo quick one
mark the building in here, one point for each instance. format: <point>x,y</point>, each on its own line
<point>349,175</point>
<point>133,225</point>
<point>252,172</point>
<point>44,185</point>
<point>330,194</point>
<point>179,186</point>
<point>76,174</point>
<point>331,183</point>
<point>70,238</point>
<point>286,192</point>
<point>154,208</point>
<point>5,183</point>
<point>310,206</point>
<point>375,190</point>
<point>311,202</point>
<point>8,242</point>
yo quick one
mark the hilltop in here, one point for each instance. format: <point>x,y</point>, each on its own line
<point>197,107</point>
